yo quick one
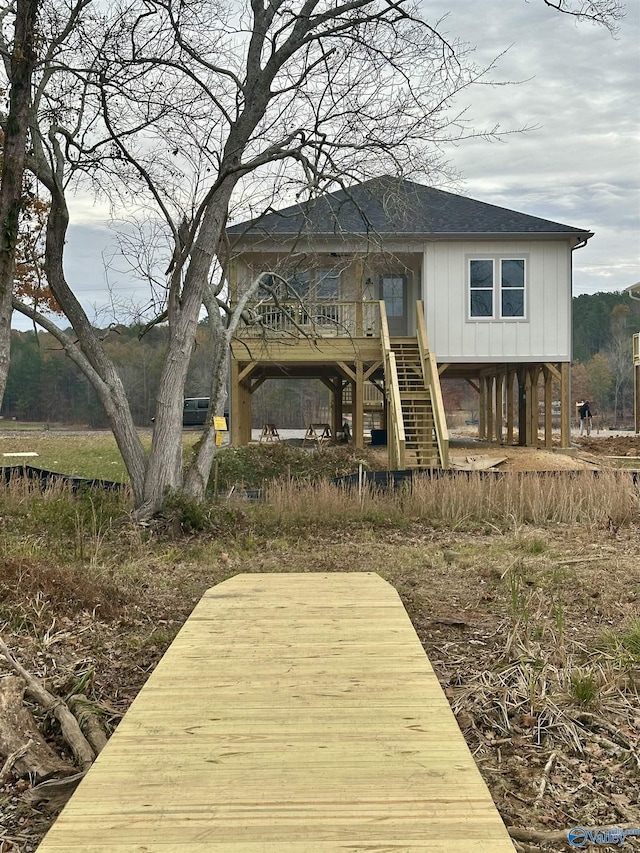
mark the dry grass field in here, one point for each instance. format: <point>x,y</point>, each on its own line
<point>524,590</point>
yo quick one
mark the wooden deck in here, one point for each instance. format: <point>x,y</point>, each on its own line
<point>293,713</point>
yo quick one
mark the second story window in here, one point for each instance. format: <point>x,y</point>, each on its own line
<point>512,287</point>
<point>497,288</point>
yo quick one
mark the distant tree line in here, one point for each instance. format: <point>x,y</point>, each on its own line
<point>43,385</point>
<point>603,326</point>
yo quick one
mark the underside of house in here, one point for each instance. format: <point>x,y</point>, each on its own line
<point>383,292</point>
<point>399,378</point>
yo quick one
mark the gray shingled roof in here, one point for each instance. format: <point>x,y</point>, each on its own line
<point>393,206</point>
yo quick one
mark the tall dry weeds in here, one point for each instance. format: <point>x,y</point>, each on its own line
<point>463,501</point>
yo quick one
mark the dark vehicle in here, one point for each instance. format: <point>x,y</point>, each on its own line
<point>195,411</point>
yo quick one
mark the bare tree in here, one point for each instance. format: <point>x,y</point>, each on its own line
<point>619,356</point>
<point>173,106</point>
<point>20,64</point>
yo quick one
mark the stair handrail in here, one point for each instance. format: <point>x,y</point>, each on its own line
<point>396,434</point>
<point>432,380</point>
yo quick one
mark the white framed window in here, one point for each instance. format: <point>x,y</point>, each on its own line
<point>512,272</point>
<point>481,302</point>
<point>497,288</point>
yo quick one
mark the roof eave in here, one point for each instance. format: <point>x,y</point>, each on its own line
<point>582,236</point>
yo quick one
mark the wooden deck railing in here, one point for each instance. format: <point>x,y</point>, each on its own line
<point>296,318</point>
<point>636,348</point>
<point>432,379</point>
<point>372,396</point>
<point>396,440</point>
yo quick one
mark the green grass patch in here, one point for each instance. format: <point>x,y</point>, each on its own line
<point>94,455</point>
<point>624,644</point>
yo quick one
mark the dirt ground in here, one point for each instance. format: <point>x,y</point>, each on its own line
<point>514,622</point>
<point>597,450</point>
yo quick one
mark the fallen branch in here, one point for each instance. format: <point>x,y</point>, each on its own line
<point>83,709</point>
<point>544,780</point>
<point>69,726</point>
<point>618,740</point>
<point>538,836</point>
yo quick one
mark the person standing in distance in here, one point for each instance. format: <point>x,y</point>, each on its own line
<point>585,418</point>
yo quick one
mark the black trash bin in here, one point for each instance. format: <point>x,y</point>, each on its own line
<point>378,438</point>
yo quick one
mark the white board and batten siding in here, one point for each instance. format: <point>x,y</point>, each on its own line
<point>545,332</point>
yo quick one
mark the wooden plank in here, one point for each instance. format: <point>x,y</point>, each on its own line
<point>293,713</point>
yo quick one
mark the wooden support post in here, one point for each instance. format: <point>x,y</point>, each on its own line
<point>482,410</point>
<point>528,390</point>
<point>245,411</point>
<point>636,397</point>
<point>510,404</point>
<point>358,407</point>
<point>548,408</point>
<point>240,390</point>
<point>491,391</point>
<point>535,425</point>
<point>499,387</point>
<point>359,273</point>
<point>336,409</point>
<point>565,404</point>
<point>535,378</point>
<point>234,403</point>
<point>522,406</point>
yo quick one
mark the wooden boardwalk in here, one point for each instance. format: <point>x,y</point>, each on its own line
<point>293,713</point>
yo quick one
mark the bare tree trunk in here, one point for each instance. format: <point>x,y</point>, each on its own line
<point>164,470</point>
<point>198,475</point>
<point>102,374</point>
<point>23,60</point>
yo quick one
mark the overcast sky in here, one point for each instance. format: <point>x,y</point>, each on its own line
<point>580,88</point>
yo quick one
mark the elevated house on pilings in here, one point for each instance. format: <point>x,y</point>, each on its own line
<point>385,288</point>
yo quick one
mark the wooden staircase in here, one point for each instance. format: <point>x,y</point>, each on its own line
<point>418,436</point>
<point>421,447</point>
